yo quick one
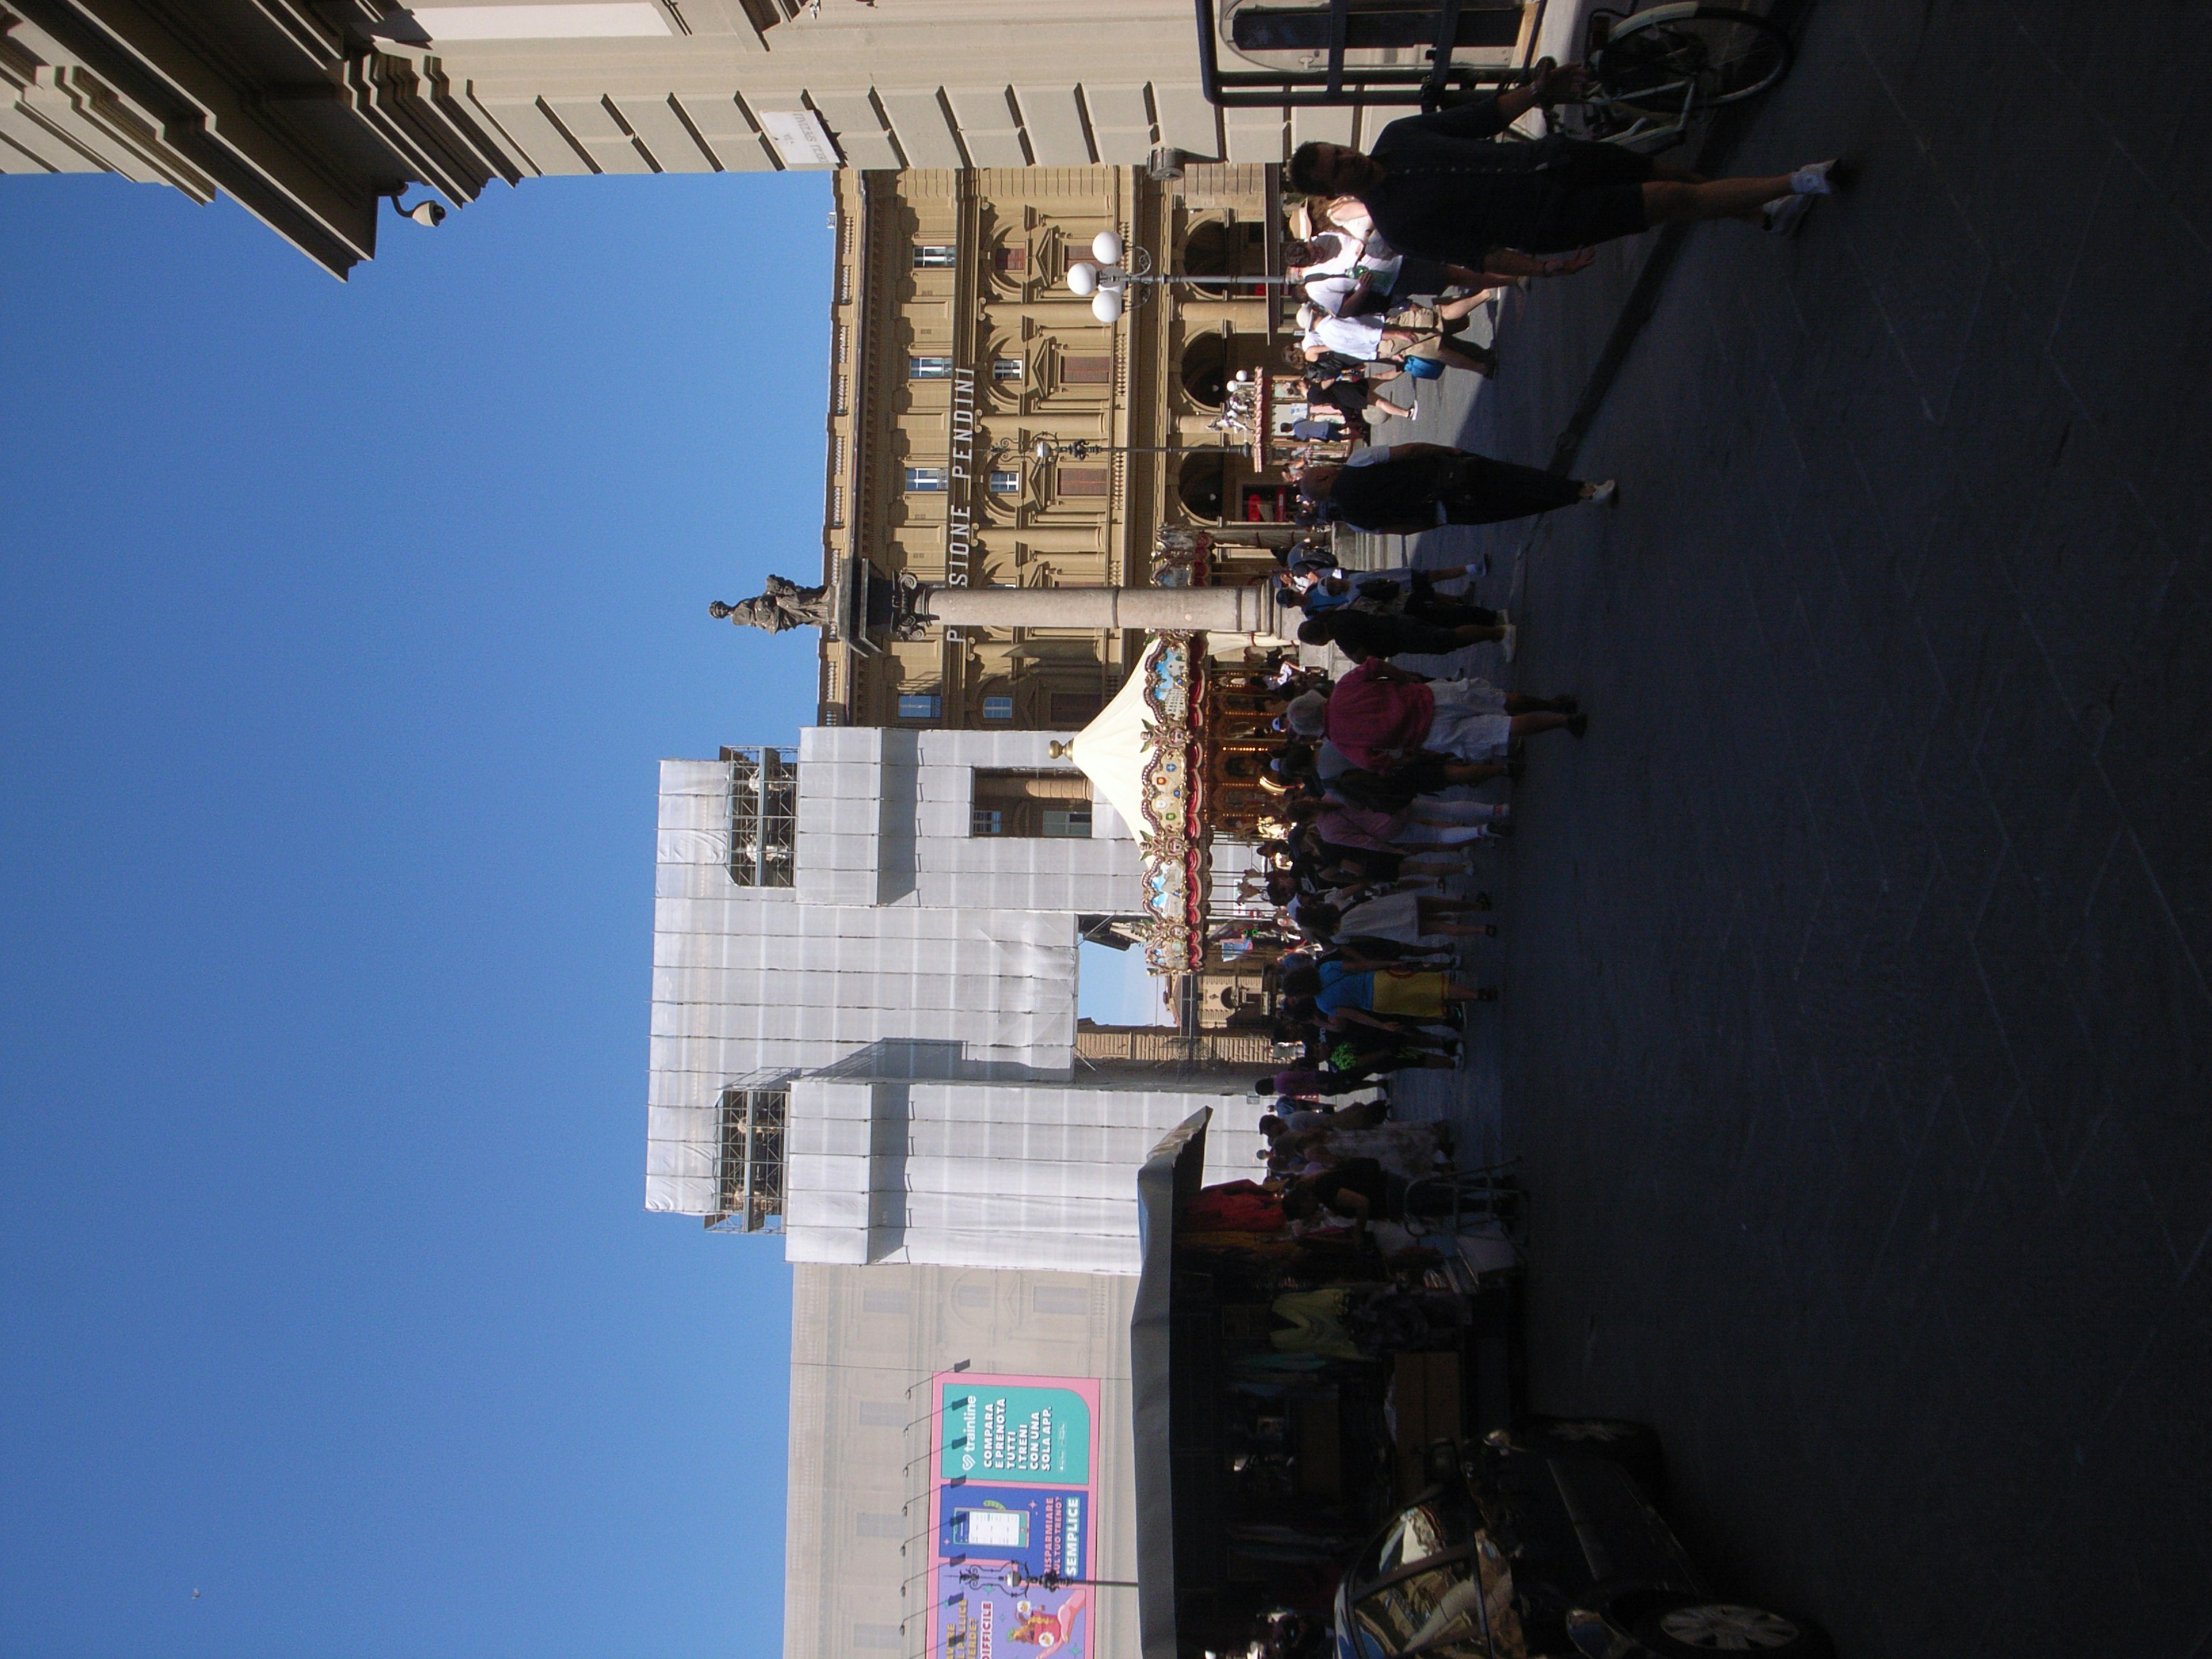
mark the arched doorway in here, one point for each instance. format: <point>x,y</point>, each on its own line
<point>1210,251</point>
<point>1205,369</point>
<point>1202,484</point>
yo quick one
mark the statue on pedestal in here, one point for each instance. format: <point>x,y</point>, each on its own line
<point>782,605</point>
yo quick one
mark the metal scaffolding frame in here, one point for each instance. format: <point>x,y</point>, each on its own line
<point>763,816</point>
<point>749,1177</point>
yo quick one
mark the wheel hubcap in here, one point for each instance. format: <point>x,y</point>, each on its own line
<point>1720,1627</point>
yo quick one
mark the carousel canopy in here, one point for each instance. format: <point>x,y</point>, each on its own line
<point>1144,754</point>
<point>1111,750</point>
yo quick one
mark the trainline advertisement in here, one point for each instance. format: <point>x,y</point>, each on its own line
<point>1011,1512</point>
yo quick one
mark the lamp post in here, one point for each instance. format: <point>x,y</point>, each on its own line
<point>1014,1578</point>
<point>1049,448</point>
<point>1119,274</point>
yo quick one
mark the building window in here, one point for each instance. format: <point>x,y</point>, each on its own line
<point>1006,481</point>
<point>1011,259</point>
<point>1086,371</point>
<point>1073,710</point>
<point>933,256</point>
<point>763,815</point>
<point>925,480</point>
<point>1053,805</point>
<point>929,368</point>
<point>998,709</point>
<point>1005,368</point>
<point>1081,480</point>
<point>919,705</point>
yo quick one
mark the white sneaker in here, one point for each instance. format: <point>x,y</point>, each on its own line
<point>1784,216</point>
<point>1511,642</point>
<point>1603,492</point>
<point>1813,180</point>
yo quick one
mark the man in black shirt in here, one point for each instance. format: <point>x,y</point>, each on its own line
<point>1437,186</point>
<point>1405,487</point>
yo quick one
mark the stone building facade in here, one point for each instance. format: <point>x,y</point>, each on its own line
<point>865,1342</point>
<point>956,346</point>
<point>308,112</point>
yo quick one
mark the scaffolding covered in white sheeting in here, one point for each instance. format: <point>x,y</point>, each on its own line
<point>912,996</point>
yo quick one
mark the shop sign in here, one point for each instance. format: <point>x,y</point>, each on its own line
<point>1013,1506</point>
<point>960,527</point>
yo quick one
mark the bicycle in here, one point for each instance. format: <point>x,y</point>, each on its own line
<point>1653,73</point>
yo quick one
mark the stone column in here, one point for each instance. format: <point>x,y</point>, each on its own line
<point>1243,610</point>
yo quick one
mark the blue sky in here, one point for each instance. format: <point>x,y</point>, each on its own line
<point>343,626</point>
<point>1114,988</point>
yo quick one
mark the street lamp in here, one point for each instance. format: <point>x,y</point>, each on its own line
<point>1118,275</point>
<point>1049,448</point>
<point>1014,1578</point>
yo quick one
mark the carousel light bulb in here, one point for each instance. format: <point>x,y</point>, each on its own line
<point>1106,306</point>
<point>1083,278</point>
<point>1106,247</point>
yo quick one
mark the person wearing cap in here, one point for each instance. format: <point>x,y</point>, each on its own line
<point>1422,353</point>
<point>1401,488</point>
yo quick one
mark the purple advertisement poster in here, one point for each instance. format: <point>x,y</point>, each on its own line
<point>1011,1516</point>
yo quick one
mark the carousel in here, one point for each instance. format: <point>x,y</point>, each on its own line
<point>1181,753</point>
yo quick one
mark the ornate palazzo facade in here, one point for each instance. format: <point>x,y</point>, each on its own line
<point>956,351</point>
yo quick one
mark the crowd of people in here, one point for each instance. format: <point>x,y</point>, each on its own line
<point>1404,243</point>
<point>1374,826</point>
<point>1350,1245</point>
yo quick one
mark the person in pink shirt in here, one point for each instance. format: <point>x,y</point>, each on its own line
<point>1379,714</point>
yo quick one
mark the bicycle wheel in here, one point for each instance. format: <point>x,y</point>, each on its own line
<point>1715,55</point>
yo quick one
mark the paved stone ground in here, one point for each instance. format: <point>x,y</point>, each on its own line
<point>1856,1022</point>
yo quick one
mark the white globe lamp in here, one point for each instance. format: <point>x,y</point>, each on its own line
<point>1083,278</point>
<point>1106,247</point>
<point>1106,306</point>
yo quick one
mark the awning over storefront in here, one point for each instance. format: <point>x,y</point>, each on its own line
<point>1173,1418</point>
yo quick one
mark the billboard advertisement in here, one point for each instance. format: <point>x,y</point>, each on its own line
<point>1012,1511</point>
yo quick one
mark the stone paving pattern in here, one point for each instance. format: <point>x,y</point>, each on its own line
<point>1857,1021</point>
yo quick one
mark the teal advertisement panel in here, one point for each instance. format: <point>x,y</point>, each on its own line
<point>1028,1433</point>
